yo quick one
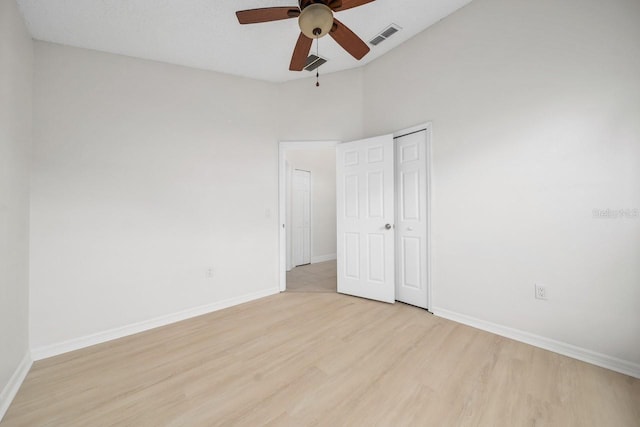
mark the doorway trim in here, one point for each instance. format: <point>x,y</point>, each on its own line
<point>283,147</point>
<point>427,127</point>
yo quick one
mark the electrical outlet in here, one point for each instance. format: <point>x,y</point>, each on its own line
<point>209,273</point>
<point>541,291</point>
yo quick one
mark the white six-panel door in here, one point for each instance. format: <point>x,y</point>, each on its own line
<point>411,223</point>
<point>301,217</point>
<point>365,218</point>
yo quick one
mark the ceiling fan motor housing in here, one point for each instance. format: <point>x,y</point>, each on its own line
<point>316,20</point>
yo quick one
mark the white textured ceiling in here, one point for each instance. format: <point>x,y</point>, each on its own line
<point>205,34</point>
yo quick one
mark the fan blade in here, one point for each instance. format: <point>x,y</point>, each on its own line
<point>267,14</point>
<point>348,40</point>
<point>338,5</point>
<point>300,53</point>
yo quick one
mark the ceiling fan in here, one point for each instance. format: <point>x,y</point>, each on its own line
<point>315,18</point>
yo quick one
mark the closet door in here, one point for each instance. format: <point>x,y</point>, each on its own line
<point>411,230</point>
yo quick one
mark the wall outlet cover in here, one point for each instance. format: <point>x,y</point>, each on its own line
<point>541,291</point>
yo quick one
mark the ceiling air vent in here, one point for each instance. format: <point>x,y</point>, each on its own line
<point>377,40</point>
<point>314,62</point>
<point>384,34</point>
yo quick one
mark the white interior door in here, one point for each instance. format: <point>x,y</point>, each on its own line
<point>411,225</point>
<point>288,170</point>
<point>365,218</point>
<point>301,217</point>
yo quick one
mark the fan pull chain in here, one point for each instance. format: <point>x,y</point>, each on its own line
<point>318,55</point>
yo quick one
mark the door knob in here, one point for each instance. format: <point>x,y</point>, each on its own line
<point>387,226</point>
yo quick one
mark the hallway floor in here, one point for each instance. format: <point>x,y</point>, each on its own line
<point>320,277</point>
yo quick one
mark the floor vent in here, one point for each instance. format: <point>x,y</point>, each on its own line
<point>314,62</point>
<point>384,34</point>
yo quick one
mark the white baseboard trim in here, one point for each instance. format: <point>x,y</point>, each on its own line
<point>123,331</point>
<point>11,389</point>
<point>323,258</point>
<point>619,365</point>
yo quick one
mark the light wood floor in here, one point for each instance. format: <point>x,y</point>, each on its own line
<point>297,359</point>
<point>319,277</point>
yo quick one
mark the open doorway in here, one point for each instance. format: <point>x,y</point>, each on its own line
<point>308,216</point>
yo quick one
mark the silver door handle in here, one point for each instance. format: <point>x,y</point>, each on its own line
<point>387,226</point>
<point>409,228</point>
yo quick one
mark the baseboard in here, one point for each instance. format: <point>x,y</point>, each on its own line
<point>112,334</point>
<point>11,389</point>
<point>323,258</point>
<point>619,365</point>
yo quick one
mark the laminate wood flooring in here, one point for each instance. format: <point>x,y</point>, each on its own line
<point>321,359</point>
<point>319,277</point>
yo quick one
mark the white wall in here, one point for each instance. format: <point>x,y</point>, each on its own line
<point>16,62</point>
<point>148,174</point>
<point>145,175</point>
<point>332,111</point>
<point>322,165</point>
<point>535,108</point>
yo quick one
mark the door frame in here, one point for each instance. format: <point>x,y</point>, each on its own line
<point>427,127</point>
<point>283,147</point>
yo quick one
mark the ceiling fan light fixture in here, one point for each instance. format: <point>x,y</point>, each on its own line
<point>316,20</point>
